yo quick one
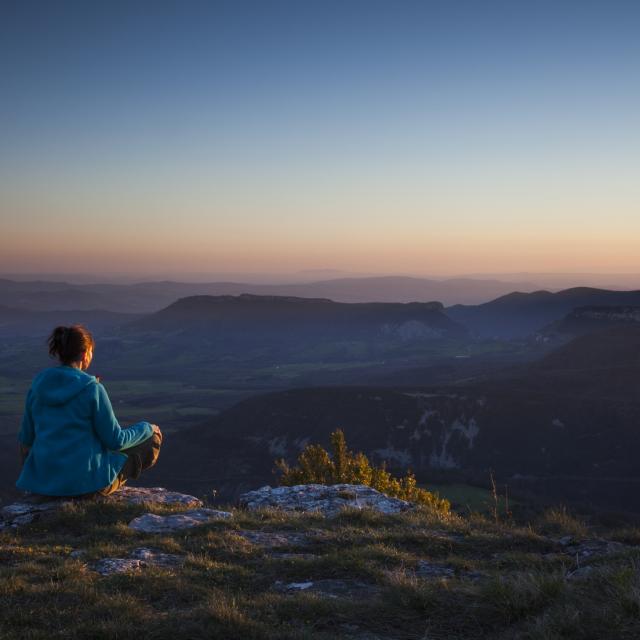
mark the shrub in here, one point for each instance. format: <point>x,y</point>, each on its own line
<point>316,465</point>
<point>560,522</point>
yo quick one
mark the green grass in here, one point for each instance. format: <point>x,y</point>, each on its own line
<point>226,587</point>
<point>467,499</point>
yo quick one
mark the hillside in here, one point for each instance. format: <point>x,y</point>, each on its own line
<point>584,320</point>
<point>565,427</point>
<point>518,315</point>
<point>98,570</point>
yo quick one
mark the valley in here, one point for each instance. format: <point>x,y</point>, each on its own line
<point>238,381</point>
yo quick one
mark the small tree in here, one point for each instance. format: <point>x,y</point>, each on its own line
<point>342,457</point>
<point>316,465</point>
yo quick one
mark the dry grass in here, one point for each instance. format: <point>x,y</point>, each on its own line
<point>226,587</point>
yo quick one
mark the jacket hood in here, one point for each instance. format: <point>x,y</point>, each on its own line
<point>58,385</point>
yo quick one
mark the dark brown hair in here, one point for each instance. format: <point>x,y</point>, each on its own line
<point>69,343</point>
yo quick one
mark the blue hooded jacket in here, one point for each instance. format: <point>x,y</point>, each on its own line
<point>74,436</point>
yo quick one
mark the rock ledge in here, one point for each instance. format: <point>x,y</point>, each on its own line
<point>31,506</point>
<point>152,523</point>
<point>326,499</point>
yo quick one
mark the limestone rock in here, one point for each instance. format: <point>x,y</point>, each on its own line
<point>326,499</point>
<point>27,510</point>
<point>109,566</point>
<point>588,550</point>
<point>140,558</point>
<point>293,556</point>
<point>151,523</point>
<point>153,495</point>
<point>27,507</point>
<point>157,558</point>
<point>435,570</point>
<point>274,539</point>
<point>330,588</point>
<point>31,507</point>
<point>581,573</point>
<point>426,569</point>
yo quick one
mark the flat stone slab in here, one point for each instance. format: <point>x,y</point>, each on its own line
<point>24,508</point>
<point>31,506</point>
<point>139,559</point>
<point>329,587</point>
<point>326,499</point>
<point>27,510</point>
<point>426,569</point>
<point>587,550</point>
<point>293,556</point>
<point>447,536</point>
<point>153,495</point>
<point>111,566</point>
<point>436,570</point>
<point>274,539</point>
<point>152,523</point>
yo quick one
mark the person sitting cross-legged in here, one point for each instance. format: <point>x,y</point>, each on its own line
<point>70,441</point>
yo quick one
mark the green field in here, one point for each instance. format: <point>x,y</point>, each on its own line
<point>468,499</point>
<point>173,405</point>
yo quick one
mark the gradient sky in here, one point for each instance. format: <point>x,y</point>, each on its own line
<point>404,137</point>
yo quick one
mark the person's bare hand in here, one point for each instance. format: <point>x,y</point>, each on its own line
<point>156,430</point>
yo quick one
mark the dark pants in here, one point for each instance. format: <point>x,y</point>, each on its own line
<point>139,458</point>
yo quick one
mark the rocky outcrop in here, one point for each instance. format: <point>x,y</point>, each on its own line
<point>31,507</point>
<point>139,559</point>
<point>429,570</point>
<point>326,499</point>
<point>275,539</point>
<point>152,523</point>
<point>585,551</point>
<point>330,588</point>
<point>154,495</point>
<point>24,512</point>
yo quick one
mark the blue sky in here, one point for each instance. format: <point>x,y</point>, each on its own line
<point>417,137</point>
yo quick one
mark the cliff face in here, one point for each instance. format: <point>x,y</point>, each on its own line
<point>584,320</point>
<point>613,314</point>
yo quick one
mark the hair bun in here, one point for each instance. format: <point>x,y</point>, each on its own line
<point>69,344</point>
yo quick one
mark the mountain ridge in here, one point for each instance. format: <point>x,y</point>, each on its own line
<point>519,314</point>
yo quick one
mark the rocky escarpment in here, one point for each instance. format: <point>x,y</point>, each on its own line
<point>327,500</point>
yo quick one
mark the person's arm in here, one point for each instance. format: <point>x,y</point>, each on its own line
<point>112,435</point>
<point>27,432</point>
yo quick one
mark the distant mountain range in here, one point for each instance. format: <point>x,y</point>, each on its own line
<point>513,314</point>
<point>152,296</point>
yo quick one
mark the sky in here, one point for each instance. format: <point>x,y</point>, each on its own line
<point>417,137</point>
